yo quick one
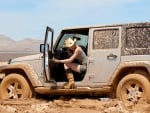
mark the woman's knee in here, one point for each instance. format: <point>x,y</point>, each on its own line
<point>83,69</point>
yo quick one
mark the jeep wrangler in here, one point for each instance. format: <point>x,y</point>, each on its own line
<point>118,65</point>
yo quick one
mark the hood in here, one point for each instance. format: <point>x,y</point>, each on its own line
<point>26,58</point>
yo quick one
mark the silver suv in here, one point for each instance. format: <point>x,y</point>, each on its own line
<point>118,64</point>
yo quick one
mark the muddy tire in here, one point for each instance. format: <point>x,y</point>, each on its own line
<point>133,88</point>
<point>15,86</point>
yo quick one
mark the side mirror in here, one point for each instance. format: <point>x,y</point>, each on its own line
<point>42,47</point>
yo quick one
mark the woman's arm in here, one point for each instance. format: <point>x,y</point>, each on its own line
<point>70,59</point>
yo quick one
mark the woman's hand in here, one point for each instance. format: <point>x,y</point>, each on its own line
<point>56,60</point>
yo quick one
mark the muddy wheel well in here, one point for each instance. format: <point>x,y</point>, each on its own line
<point>129,70</point>
<point>21,72</point>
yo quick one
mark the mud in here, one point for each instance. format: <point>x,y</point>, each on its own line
<point>70,105</point>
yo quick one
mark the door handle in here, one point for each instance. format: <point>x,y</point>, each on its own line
<point>111,56</point>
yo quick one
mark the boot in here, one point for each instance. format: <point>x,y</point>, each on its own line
<point>70,84</point>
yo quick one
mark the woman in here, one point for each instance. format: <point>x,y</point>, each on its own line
<point>76,53</point>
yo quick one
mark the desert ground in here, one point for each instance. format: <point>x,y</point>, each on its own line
<point>70,105</point>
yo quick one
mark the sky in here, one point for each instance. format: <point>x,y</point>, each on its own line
<point>20,19</point>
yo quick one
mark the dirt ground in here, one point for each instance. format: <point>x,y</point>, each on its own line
<point>70,105</point>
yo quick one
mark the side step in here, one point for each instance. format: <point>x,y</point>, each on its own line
<point>78,90</point>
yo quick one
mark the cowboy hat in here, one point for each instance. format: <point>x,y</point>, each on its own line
<point>69,42</point>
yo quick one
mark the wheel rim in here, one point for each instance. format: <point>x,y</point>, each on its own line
<point>14,90</point>
<point>132,91</point>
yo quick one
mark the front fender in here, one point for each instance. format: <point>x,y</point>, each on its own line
<point>28,70</point>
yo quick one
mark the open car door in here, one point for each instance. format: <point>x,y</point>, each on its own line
<point>47,52</point>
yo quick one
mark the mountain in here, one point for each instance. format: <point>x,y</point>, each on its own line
<point>25,45</point>
<point>11,49</point>
<point>5,43</point>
